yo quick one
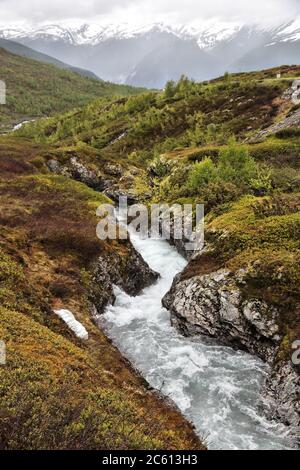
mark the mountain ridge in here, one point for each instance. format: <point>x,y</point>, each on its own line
<point>135,54</point>
<point>207,33</point>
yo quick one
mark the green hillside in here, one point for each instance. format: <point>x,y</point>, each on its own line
<point>186,118</point>
<point>36,89</point>
<point>24,51</point>
<point>195,142</point>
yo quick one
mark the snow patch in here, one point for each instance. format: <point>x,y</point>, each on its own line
<point>74,325</point>
<point>289,32</point>
<point>21,124</point>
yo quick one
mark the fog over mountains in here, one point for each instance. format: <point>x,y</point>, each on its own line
<point>152,54</point>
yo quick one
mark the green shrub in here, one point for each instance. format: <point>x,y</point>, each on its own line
<point>236,164</point>
<point>288,133</point>
<point>38,162</point>
<point>286,179</point>
<point>201,174</point>
<point>262,182</point>
<point>159,167</point>
<point>139,102</point>
<point>277,204</point>
<point>170,89</point>
<point>218,193</point>
<point>199,154</point>
<point>276,152</point>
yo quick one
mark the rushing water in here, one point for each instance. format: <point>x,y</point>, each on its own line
<point>215,387</point>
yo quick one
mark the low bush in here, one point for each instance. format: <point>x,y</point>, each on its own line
<point>202,173</point>
<point>277,204</point>
<point>286,179</point>
<point>217,194</point>
<point>261,183</point>
<point>277,153</point>
<point>236,165</point>
<point>210,151</point>
<point>288,133</point>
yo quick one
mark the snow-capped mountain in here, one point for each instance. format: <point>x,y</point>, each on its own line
<point>207,33</point>
<point>150,54</point>
<point>289,32</point>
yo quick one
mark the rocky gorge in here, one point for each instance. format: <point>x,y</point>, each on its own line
<point>212,304</point>
<point>221,344</point>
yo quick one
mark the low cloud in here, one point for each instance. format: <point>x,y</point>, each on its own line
<point>139,11</point>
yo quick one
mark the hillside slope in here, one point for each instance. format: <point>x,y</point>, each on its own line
<point>58,391</point>
<point>214,143</point>
<point>186,115</point>
<point>24,51</point>
<point>36,89</point>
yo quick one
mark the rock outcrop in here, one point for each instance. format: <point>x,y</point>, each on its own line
<point>115,193</point>
<point>292,95</point>
<point>292,120</point>
<point>112,181</point>
<point>76,170</point>
<point>281,395</point>
<point>129,272</point>
<point>213,305</point>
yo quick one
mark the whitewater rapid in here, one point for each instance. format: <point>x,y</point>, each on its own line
<point>215,387</point>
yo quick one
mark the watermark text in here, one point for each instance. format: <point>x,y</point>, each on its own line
<point>157,221</point>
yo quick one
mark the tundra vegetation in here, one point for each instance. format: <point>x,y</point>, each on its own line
<point>191,142</point>
<point>56,391</point>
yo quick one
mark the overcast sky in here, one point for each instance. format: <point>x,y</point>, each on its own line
<point>139,11</point>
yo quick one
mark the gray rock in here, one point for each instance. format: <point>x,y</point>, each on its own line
<point>79,172</point>
<point>113,170</point>
<point>280,395</point>
<point>54,166</point>
<point>173,218</point>
<point>293,93</point>
<point>115,193</point>
<point>263,318</point>
<point>131,273</point>
<point>213,305</point>
<point>101,291</point>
